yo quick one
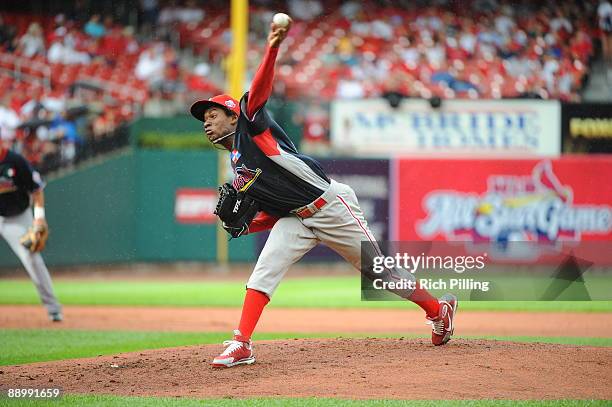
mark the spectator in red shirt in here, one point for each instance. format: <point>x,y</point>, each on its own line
<point>112,44</point>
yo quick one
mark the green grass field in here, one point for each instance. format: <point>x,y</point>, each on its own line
<point>323,292</point>
<point>27,346</point>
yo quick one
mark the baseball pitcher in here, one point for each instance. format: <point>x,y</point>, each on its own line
<point>26,233</point>
<point>275,187</point>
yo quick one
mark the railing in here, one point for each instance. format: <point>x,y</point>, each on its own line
<point>109,87</point>
<point>39,71</point>
<point>91,148</point>
<point>10,62</point>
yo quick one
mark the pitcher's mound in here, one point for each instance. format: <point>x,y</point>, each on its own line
<point>345,368</point>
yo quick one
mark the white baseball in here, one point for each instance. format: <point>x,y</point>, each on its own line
<point>280,20</point>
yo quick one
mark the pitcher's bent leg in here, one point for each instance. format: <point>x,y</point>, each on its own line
<point>342,226</point>
<point>289,240</point>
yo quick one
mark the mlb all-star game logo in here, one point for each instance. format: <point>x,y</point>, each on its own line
<point>536,207</point>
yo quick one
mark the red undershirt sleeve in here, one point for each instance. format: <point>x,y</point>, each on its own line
<point>261,222</point>
<point>261,88</point>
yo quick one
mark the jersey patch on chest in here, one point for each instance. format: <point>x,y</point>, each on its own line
<point>7,183</point>
<point>235,156</point>
<point>245,178</point>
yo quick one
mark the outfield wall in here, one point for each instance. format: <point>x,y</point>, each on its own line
<point>123,210</point>
<point>90,214</point>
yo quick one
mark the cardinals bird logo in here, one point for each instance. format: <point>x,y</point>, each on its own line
<point>245,178</point>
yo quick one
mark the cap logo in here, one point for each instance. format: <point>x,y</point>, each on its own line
<point>230,104</point>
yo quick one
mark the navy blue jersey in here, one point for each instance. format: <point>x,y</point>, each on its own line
<point>17,181</point>
<point>269,168</point>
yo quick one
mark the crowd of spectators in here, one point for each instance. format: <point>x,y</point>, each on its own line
<point>61,84</point>
<point>56,126</point>
<point>426,49</point>
<point>441,49</point>
<point>100,73</point>
<point>468,49</point>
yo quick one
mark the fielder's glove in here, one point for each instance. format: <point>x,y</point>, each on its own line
<point>236,210</point>
<point>35,238</point>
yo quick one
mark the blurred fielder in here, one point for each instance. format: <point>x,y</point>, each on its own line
<point>277,188</point>
<point>26,234</point>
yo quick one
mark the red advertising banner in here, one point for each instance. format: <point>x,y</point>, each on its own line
<point>195,205</point>
<point>484,201</point>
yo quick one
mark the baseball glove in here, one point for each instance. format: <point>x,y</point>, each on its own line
<point>35,239</point>
<point>236,210</point>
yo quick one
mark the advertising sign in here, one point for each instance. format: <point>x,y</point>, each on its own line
<point>507,128</point>
<point>195,206</point>
<point>587,127</point>
<point>483,201</point>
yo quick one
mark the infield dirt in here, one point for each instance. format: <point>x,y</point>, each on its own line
<point>346,368</point>
<point>381,321</point>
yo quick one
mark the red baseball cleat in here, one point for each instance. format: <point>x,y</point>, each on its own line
<point>238,351</point>
<point>442,326</point>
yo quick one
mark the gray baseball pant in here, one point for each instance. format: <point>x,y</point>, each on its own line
<point>12,228</point>
<point>340,224</point>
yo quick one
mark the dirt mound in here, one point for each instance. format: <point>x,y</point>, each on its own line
<point>347,368</point>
